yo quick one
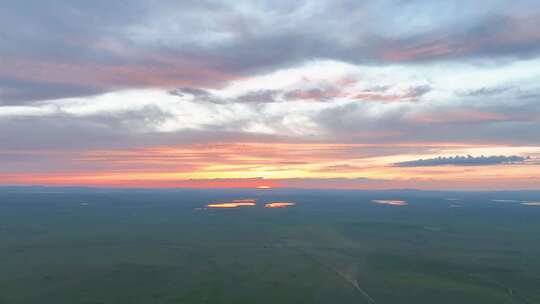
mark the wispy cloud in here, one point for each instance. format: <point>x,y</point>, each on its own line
<point>463,161</point>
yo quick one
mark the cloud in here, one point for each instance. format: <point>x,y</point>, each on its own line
<point>427,110</point>
<point>463,161</point>
<point>256,96</point>
<point>102,47</point>
<point>489,37</point>
<point>440,116</point>
<point>79,76</point>
<point>181,92</point>
<point>341,168</point>
<point>15,91</point>
<point>317,94</point>
<point>488,91</point>
<point>259,96</point>
<point>409,94</point>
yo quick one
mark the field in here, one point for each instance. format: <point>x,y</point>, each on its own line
<point>77,245</point>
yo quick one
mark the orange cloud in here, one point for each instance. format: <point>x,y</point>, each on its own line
<point>268,165</point>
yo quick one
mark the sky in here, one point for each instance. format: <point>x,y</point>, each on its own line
<point>306,94</point>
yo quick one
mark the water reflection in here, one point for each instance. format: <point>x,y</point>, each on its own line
<point>505,201</point>
<point>247,203</point>
<point>278,205</point>
<point>526,203</point>
<point>390,202</point>
<point>233,204</point>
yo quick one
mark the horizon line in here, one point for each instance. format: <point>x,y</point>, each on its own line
<point>261,189</point>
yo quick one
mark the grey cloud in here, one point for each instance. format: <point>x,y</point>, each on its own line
<point>488,91</point>
<point>353,122</point>
<point>495,36</point>
<point>321,94</point>
<point>529,94</point>
<point>13,91</point>
<point>317,94</point>
<point>261,96</point>
<point>418,91</point>
<point>500,122</point>
<point>191,91</point>
<point>410,94</point>
<point>379,89</point>
<point>463,161</point>
<point>106,46</point>
<point>201,95</point>
<point>110,131</point>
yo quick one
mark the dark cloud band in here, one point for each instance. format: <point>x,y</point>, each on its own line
<point>463,161</point>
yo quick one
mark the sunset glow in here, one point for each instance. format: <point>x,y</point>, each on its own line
<point>365,101</point>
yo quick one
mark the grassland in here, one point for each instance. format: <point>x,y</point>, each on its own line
<point>104,246</point>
